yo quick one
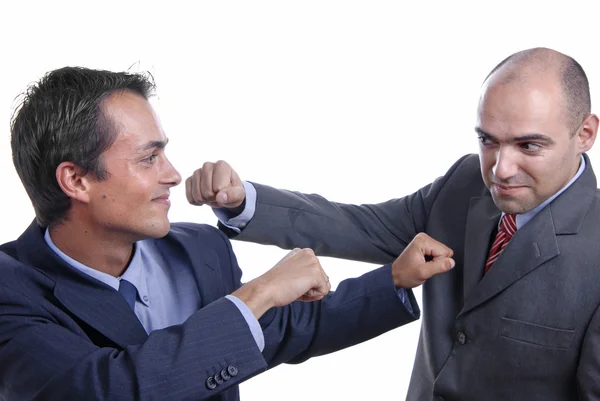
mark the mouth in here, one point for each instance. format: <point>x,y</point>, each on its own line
<point>507,189</point>
<point>164,199</point>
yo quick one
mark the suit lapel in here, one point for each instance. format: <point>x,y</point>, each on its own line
<point>481,221</point>
<point>204,261</point>
<point>90,300</point>
<point>102,308</point>
<point>99,305</point>
<point>531,246</point>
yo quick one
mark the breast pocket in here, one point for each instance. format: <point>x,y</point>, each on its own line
<point>536,334</point>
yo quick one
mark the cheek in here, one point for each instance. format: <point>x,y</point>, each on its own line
<point>545,174</point>
<point>486,162</point>
<point>123,201</point>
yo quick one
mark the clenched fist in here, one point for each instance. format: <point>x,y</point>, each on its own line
<point>298,276</point>
<point>422,259</point>
<point>216,185</point>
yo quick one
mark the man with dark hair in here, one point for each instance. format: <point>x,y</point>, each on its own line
<point>102,298</point>
<point>518,318</point>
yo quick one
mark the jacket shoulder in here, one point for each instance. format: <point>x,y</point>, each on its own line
<point>206,235</point>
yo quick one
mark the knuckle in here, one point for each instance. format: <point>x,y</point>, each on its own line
<point>206,190</point>
<point>422,236</point>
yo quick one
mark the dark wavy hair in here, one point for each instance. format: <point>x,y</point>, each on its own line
<point>61,118</point>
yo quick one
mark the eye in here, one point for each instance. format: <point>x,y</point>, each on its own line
<point>530,146</point>
<point>150,159</point>
<point>484,140</point>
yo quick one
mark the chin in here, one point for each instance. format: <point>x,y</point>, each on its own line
<point>158,229</point>
<point>509,207</point>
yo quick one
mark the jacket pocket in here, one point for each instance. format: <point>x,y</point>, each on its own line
<point>536,334</point>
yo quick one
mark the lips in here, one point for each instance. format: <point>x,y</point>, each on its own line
<point>507,189</point>
<point>164,198</point>
<point>508,186</point>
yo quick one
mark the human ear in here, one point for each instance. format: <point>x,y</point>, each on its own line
<point>73,181</point>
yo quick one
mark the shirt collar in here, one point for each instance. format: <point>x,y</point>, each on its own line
<point>134,273</point>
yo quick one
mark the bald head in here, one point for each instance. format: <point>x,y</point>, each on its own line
<point>541,64</point>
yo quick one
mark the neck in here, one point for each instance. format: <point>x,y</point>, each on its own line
<point>94,247</point>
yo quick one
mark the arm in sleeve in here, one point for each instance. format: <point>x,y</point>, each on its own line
<point>46,356</point>
<point>250,320</point>
<point>362,308</point>
<point>375,233</point>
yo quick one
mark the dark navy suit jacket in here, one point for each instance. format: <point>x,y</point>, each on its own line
<point>66,336</point>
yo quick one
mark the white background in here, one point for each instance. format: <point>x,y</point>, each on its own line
<point>358,101</point>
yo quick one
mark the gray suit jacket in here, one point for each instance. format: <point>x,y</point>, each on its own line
<point>528,330</point>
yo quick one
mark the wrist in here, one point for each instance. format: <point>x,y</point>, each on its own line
<point>396,276</point>
<point>255,296</point>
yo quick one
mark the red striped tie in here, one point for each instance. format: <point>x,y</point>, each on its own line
<point>508,227</point>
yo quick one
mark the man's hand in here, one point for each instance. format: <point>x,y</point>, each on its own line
<point>422,259</point>
<point>215,184</point>
<point>298,276</point>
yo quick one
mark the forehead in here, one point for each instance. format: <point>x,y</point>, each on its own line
<point>134,119</point>
<point>519,107</point>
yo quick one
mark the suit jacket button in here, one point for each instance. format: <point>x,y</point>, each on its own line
<point>461,338</point>
<point>438,398</point>
<point>218,379</point>
<point>232,370</point>
<point>210,383</point>
<point>225,374</point>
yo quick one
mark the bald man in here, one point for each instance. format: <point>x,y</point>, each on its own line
<point>518,318</point>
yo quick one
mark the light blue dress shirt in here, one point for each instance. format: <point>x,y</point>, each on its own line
<point>167,293</point>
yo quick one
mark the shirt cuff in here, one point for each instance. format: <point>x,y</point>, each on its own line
<point>253,324</point>
<point>240,221</point>
<point>404,298</point>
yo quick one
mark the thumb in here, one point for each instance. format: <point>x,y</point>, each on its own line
<point>231,196</point>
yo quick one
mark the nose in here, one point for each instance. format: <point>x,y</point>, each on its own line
<point>170,175</point>
<point>505,166</point>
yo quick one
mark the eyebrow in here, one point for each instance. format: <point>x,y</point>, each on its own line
<point>523,138</point>
<point>153,144</point>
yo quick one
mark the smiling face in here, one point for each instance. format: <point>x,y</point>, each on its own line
<point>527,150</point>
<point>133,200</point>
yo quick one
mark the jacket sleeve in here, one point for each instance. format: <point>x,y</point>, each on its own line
<point>361,308</point>
<point>44,358</point>
<point>375,233</point>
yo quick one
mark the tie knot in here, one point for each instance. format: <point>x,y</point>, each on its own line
<point>509,224</point>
